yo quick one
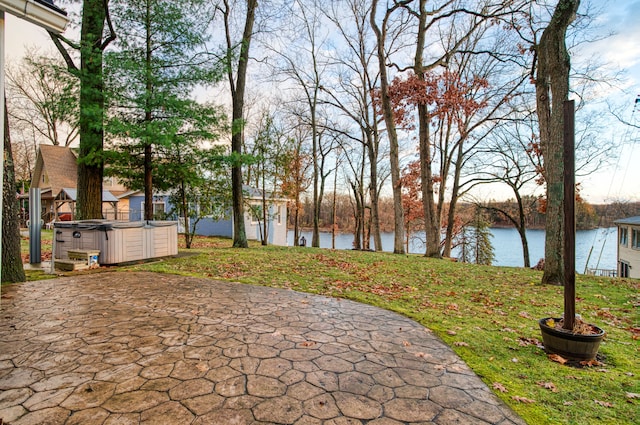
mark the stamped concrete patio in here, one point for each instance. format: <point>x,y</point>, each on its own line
<point>130,348</point>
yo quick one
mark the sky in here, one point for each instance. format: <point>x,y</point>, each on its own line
<point>617,180</point>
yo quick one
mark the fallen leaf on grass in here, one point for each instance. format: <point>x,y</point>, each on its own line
<point>632,395</point>
<point>523,342</point>
<point>557,358</point>
<point>592,362</point>
<point>522,399</point>
<point>548,386</point>
<point>568,403</point>
<point>460,344</point>
<point>498,386</point>
<point>452,333</point>
<point>603,403</point>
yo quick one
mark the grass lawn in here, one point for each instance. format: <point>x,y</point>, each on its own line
<point>488,315</point>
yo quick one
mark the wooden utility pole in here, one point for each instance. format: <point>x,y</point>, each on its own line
<point>569,216</point>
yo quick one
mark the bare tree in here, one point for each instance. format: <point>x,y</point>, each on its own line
<point>381,32</point>
<point>357,78</point>
<point>515,162</point>
<point>44,98</point>
<point>302,65</point>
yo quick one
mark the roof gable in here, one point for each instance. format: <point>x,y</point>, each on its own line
<point>56,167</point>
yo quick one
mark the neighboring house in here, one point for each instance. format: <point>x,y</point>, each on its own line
<point>629,247</point>
<point>56,174</point>
<point>276,216</point>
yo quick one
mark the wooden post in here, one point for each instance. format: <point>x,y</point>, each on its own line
<point>569,216</point>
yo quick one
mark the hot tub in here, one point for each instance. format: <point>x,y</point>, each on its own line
<point>117,241</point>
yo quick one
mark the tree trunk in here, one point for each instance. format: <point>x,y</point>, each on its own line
<point>387,111</point>
<point>552,89</point>
<point>239,233</point>
<point>11,262</point>
<point>522,230</point>
<point>90,163</point>
<point>148,117</point>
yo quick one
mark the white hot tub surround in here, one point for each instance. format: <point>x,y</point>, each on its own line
<point>117,241</point>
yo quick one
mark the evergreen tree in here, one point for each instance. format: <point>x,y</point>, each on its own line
<point>161,58</point>
<point>475,241</point>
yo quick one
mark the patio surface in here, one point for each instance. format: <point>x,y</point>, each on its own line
<point>130,348</point>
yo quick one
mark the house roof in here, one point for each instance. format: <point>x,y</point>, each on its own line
<point>255,194</point>
<point>59,164</point>
<point>629,220</point>
<point>107,196</point>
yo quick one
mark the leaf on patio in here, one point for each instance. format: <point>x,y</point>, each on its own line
<point>406,343</point>
<point>523,399</point>
<point>420,354</point>
<point>460,344</point>
<point>548,386</point>
<point>603,403</point>
<point>308,344</point>
<point>557,358</point>
<point>439,367</point>
<point>499,387</point>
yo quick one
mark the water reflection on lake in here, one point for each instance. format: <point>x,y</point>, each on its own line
<point>507,247</point>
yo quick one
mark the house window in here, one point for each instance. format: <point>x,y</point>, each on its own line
<point>624,269</point>
<point>635,239</point>
<point>624,236</point>
<point>158,210</point>
<point>256,213</point>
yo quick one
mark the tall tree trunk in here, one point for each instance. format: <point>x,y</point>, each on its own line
<point>90,164</point>
<point>552,89</point>
<point>317,201</point>
<point>387,111</point>
<point>455,193</point>
<point>11,262</point>
<point>148,117</point>
<point>237,91</point>
<point>431,217</point>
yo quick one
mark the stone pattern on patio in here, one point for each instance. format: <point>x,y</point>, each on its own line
<point>132,348</point>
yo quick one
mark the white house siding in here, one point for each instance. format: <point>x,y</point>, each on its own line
<point>277,229</point>
<point>629,247</point>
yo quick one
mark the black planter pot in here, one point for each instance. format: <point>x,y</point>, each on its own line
<point>569,345</point>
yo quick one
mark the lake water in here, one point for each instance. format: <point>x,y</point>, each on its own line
<point>507,247</point>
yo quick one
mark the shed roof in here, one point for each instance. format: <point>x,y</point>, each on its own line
<point>59,164</point>
<point>106,195</point>
<point>634,221</point>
